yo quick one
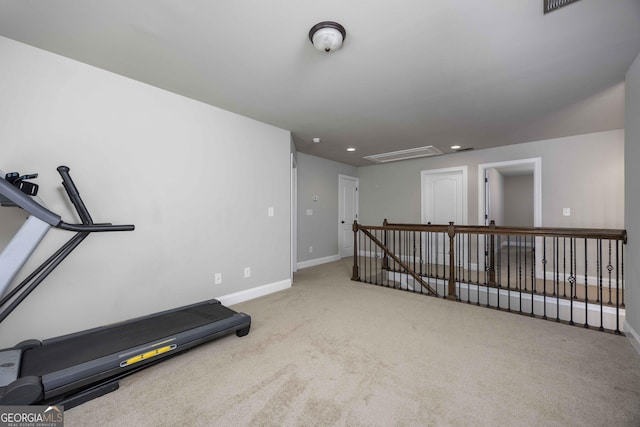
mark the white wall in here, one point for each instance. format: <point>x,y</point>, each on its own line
<point>632,200</point>
<point>197,182</point>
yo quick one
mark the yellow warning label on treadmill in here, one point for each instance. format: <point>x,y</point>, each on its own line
<point>147,355</point>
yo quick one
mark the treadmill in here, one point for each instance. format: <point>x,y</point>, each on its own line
<point>72,369</point>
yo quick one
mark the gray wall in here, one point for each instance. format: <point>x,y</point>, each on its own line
<point>632,199</point>
<point>197,182</point>
<point>518,195</point>
<point>583,172</point>
<point>319,177</point>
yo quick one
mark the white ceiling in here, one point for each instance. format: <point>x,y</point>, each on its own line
<point>410,73</point>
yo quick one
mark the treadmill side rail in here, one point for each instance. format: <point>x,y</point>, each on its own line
<point>67,380</point>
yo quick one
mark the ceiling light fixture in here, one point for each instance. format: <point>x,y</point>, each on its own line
<point>456,147</point>
<point>351,149</point>
<point>327,36</point>
<point>316,140</point>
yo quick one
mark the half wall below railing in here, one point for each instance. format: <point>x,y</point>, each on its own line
<point>569,275</point>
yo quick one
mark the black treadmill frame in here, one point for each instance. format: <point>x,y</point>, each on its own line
<point>84,380</point>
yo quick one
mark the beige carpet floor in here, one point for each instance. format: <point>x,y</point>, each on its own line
<point>330,351</point>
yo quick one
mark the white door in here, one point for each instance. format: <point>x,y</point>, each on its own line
<point>444,196</point>
<point>347,213</point>
<point>444,199</point>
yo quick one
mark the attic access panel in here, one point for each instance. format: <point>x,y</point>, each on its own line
<point>551,5</point>
<point>411,153</point>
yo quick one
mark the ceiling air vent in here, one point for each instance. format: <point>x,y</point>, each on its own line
<point>551,5</point>
<point>411,153</point>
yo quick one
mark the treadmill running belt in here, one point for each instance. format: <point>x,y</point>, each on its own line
<point>79,348</point>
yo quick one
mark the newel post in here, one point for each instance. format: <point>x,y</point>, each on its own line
<point>355,275</point>
<point>451,293</point>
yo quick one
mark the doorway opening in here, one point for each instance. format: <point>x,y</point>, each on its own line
<point>509,193</point>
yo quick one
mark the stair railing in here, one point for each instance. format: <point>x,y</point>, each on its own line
<point>569,275</point>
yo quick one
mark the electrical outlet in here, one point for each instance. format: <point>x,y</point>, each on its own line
<point>218,278</point>
<point>247,272</point>
<point>310,249</point>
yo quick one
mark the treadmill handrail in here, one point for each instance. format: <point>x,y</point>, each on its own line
<point>74,195</point>
<point>94,228</point>
<point>17,197</point>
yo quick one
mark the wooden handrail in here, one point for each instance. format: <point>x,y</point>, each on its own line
<point>587,233</point>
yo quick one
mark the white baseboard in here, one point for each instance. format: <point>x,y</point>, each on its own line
<point>318,261</point>
<point>633,336</point>
<point>253,293</point>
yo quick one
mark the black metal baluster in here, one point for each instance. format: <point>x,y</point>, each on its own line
<point>445,263</point>
<point>394,270</point>
<point>519,265</point>
<point>367,247</point>
<point>533,273</point>
<point>456,243</point>
<point>478,263</point>
<point>379,272</point>
<point>468,258</point>
<point>487,267</point>
<point>622,274</point>
<point>600,284</point>
<point>363,277</point>
<point>575,268</point>
<point>556,267</point>
<point>586,286</point>
<point>524,261</point>
<point>544,278</point>
<point>428,255</point>
<point>571,281</point>
<point>598,271</point>
<point>415,259</point>
<point>517,273</point>
<point>609,269</point>
<point>477,269</point>
<point>420,251</point>
<point>406,257</point>
<point>509,272</point>
<point>617,287</point>
<point>564,267</point>
<point>498,263</point>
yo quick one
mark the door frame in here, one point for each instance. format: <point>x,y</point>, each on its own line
<point>535,163</point>
<point>356,207</point>
<point>294,216</point>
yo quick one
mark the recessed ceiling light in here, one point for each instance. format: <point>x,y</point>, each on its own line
<point>351,149</point>
<point>456,147</point>
<point>316,140</point>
